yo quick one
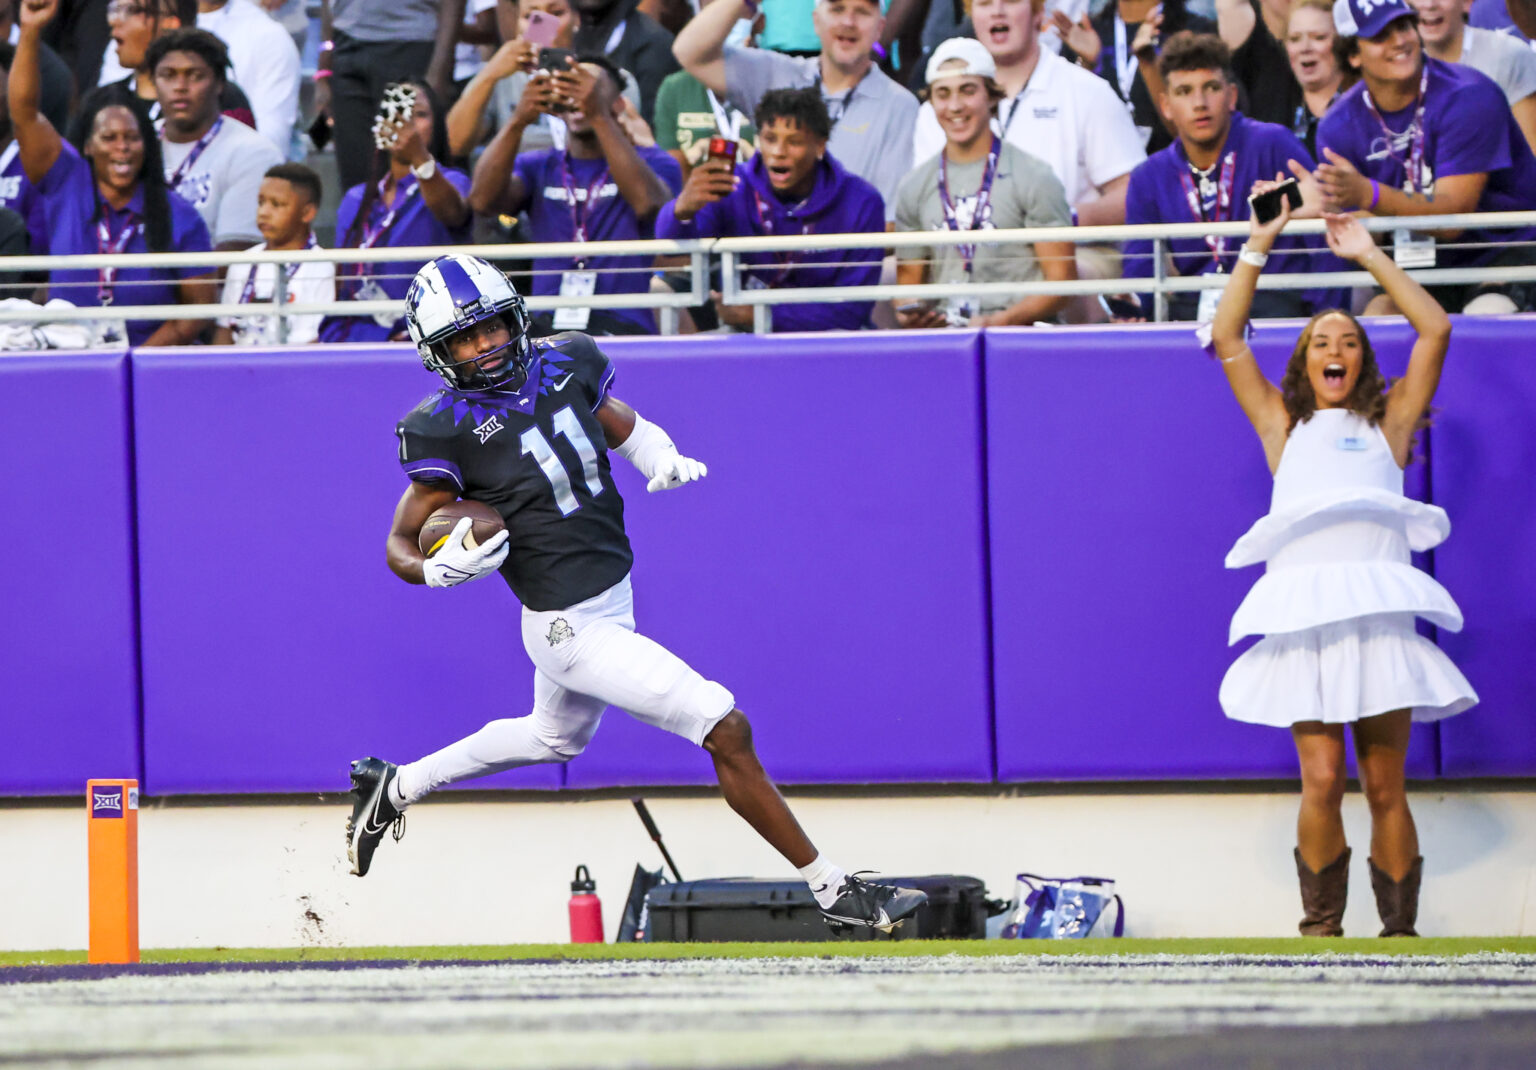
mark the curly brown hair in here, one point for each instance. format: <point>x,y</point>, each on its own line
<point>1368,398</point>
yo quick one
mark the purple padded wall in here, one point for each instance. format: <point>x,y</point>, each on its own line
<point>1484,472</point>
<point>1121,470</point>
<point>830,568</point>
<point>276,644</point>
<point>69,704</point>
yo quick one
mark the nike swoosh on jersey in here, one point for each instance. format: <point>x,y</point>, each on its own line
<point>560,385</point>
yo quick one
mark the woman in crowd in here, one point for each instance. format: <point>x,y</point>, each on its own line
<point>1338,602</point>
<point>107,194</point>
<point>1317,62</point>
<point>491,96</point>
<point>411,200</point>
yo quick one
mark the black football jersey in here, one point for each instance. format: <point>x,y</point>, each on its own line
<point>538,457</point>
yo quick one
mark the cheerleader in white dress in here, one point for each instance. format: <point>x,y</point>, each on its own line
<point>1339,597</point>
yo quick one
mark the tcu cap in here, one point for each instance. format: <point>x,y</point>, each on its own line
<point>1367,18</point>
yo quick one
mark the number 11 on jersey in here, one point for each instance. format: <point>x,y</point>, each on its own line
<point>534,442</point>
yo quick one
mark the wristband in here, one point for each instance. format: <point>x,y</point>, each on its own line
<point>322,74</point>
<point>1250,256</point>
<point>1236,356</point>
<point>1375,195</point>
<point>327,46</point>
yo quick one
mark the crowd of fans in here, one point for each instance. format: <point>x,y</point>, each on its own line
<point>175,125</point>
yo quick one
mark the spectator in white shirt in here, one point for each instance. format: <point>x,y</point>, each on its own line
<point>1062,114</point>
<point>263,61</point>
<point>211,160</point>
<point>1509,62</point>
<point>285,211</point>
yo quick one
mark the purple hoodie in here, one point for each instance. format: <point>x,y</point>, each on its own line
<point>839,203</point>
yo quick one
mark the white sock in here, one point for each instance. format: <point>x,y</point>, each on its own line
<point>824,878</point>
<point>500,745</point>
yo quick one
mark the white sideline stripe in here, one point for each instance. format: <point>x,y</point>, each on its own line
<point>726,1013</point>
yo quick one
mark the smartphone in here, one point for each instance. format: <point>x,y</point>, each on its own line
<point>1122,306</point>
<point>918,306</point>
<point>542,29</point>
<point>554,60</point>
<point>1266,206</point>
<point>723,148</point>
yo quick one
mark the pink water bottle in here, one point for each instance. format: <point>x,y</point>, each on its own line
<point>586,909</point>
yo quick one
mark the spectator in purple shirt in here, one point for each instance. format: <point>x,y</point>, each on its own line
<point>1206,176</point>
<point>107,194</point>
<point>1422,137</point>
<point>409,200</point>
<point>16,193</point>
<point>792,186</point>
<point>601,187</point>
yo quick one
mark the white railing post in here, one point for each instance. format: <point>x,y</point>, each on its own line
<point>280,299</point>
<point>1159,276</point>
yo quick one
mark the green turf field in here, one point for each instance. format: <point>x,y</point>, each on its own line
<point>1288,947</point>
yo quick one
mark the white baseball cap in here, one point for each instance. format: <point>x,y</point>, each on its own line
<point>977,60</point>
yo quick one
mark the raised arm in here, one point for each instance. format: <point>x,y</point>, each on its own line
<point>441,197</point>
<point>1411,394</point>
<point>700,45</point>
<point>495,187</point>
<point>38,143</point>
<point>466,119</point>
<point>1259,398</point>
<point>1235,20</point>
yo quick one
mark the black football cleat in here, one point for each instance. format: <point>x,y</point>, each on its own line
<point>372,812</point>
<point>873,906</point>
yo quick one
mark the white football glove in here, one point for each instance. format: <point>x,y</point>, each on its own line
<point>454,563</point>
<point>674,470</point>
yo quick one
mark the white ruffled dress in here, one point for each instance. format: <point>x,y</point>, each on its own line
<point>1337,602</point>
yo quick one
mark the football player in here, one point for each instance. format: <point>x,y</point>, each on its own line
<point>525,425</point>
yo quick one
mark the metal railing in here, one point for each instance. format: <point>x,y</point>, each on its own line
<point>731,252</point>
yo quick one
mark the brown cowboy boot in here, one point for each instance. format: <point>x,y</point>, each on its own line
<point>1398,901</point>
<point>1323,895</point>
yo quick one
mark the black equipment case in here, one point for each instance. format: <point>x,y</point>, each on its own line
<point>771,910</point>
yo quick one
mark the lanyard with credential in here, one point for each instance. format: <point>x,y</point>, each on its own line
<point>372,235</point>
<point>1125,61</point>
<point>185,167</point>
<point>785,258</point>
<point>106,243</point>
<point>581,211</point>
<point>843,101</point>
<point>248,292</point>
<point>1416,132</point>
<point>983,212</point>
<point>1222,210</point>
<point>728,121</point>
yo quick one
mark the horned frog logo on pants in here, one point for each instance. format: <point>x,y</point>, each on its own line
<point>560,631</point>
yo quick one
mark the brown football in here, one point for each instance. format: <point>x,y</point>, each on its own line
<point>439,525</point>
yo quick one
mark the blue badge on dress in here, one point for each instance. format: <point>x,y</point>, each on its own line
<point>1353,442</point>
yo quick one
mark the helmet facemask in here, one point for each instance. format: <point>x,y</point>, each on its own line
<point>457,293</point>
<point>472,374</point>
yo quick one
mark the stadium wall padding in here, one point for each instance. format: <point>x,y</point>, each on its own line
<point>1483,466</point>
<point>69,688</point>
<point>941,557</point>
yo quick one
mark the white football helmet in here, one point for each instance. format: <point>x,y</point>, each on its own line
<point>454,293</point>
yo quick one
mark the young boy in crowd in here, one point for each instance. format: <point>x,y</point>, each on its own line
<point>285,211</point>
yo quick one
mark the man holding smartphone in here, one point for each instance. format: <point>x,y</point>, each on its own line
<point>1206,175</point>
<point>600,187</point>
<point>872,117</point>
<point>791,186</point>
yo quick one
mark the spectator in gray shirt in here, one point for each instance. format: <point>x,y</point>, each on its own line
<point>978,182</point>
<point>872,116</point>
<point>1509,62</point>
